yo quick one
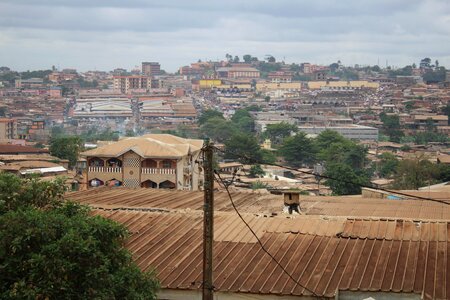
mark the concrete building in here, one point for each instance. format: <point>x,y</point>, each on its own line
<point>422,121</point>
<point>29,83</point>
<point>280,76</point>
<point>238,72</point>
<point>151,68</point>
<point>159,161</point>
<point>342,85</point>
<point>355,132</point>
<point>8,130</point>
<point>132,83</point>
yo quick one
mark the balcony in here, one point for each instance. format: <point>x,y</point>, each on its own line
<point>158,171</point>
<point>105,169</point>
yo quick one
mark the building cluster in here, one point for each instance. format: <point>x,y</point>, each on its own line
<point>377,245</point>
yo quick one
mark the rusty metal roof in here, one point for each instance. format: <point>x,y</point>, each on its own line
<point>259,203</point>
<point>325,254</point>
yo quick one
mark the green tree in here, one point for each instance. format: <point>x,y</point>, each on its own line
<point>298,150</point>
<point>346,152</point>
<point>415,173</point>
<point>388,164</point>
<point>341,172</point>
<point>247,58</point>
<point>328,137</point>
<point>268,157</point>
<point>270,59</point>
<point>391,127</point>
<point>208,114</point>
<point>279,131</point>
<point>218,129</point>
<point>243,120</point>
<point>244,147</point>
<point>256,171</point>
<point>66,147</point>
<point>55,250</point>
<point>334,67</point>
<point>130,133</point>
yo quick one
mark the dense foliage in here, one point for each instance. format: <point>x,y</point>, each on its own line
<point>55,250</point>
<point>66,147</point>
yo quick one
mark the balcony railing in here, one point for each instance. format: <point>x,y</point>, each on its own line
<point>157,171</point>
<point>105,169</point>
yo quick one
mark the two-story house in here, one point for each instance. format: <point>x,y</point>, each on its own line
<point>149,161</point>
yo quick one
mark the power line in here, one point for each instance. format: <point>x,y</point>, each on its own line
<point>259,241</point>
<point>252,160</point>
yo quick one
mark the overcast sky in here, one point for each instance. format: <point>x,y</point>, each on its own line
<point>102,35</point>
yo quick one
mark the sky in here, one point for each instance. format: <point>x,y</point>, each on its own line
<point>103,35</point>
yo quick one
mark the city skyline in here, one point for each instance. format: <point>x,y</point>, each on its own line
<point>92,35</point>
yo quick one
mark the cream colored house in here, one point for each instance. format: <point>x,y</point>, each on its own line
<point>149,161</point>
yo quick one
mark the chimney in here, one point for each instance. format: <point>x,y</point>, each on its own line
<point>292,201</point>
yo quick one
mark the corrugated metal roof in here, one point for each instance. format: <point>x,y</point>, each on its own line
<point>323,254</point>
<point>262,203</point>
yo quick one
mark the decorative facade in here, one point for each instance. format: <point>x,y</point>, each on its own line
<point>150,161</point>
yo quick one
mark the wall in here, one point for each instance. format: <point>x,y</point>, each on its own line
<point>197,295</point>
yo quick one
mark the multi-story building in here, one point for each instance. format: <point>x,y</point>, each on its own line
<point>29,83</point>
<point>151,161</point>
<point>151,68</point>
<point>8,130</point>
<point>127,84</point>
<point>62,76</point>
<point>423,121</point>
<point>238,72</point>
<point>280,76</point>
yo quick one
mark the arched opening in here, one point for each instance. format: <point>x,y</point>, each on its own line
<point>167,185</point>
<point>114,182</point>
<point>168,164</point>
<point>96,182</point>
<point>114,162</point>
<point>96,162</point>
<point>149,163</point>
<point>149,184</point>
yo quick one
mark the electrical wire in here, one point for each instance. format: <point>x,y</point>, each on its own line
<point>252,160</point>
<point>259,241</point>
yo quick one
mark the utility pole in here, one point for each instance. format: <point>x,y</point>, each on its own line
<point>208,221</point>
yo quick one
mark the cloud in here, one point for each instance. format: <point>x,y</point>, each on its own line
<point>108,34</point>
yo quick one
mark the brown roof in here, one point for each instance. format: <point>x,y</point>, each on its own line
<point>444,158</point>
<point>326,255</point>
<point>150,145</point>
<point>30,165</point>
<point>433,117</point>
<point>17,149</point>
<point>261,203</point>
<point>33,157</point>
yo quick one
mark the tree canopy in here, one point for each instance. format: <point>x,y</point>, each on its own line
<point>298,150</point>
<point>391,127</point>
<point>279,131</point>
<point>51,249</point>
<point>341,172</point>
<point>66,147</point>
<point>244,147</point>
<point>208,114</point>
<point>388,165</point>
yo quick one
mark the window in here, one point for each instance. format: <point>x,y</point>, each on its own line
<point>167,164</point>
